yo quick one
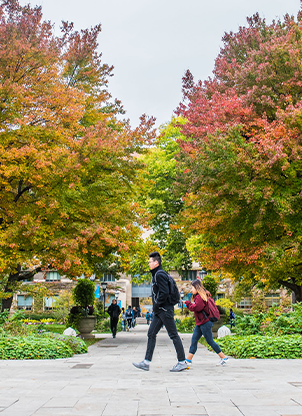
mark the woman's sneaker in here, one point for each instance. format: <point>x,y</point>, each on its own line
<point>223,361</point>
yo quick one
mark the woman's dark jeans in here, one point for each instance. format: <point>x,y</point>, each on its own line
<point>165,318</point>
<point>206,331</point>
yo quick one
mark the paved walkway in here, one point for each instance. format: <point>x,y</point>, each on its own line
<point>104,383</point>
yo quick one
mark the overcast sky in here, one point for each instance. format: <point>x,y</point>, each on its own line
<point>151,43</point>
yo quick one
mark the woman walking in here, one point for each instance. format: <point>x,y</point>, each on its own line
<point>203,325</point>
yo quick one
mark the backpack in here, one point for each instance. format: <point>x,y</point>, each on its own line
<point>214,312</point>
<point>128,313</point>
<point>174,296</point>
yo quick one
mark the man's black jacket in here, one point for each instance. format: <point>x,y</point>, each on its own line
<point>114,310</point>
<point>160,290</point>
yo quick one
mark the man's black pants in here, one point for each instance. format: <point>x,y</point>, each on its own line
<point>166,318</point>
<point>113,324</point>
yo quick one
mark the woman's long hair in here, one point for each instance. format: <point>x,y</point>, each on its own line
<point>200,290</point>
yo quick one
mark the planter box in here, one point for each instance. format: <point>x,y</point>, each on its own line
<point>87,325</point>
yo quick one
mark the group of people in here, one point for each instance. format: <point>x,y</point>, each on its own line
<point>163,315</point>
<point>128,317</point>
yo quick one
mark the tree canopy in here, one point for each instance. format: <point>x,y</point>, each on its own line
<point>69,169</point>
<point>161,200</point>
<point>242,156</point>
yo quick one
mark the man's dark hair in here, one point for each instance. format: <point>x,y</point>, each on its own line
<point>156,257</point>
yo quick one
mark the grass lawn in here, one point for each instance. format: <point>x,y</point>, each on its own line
<point>56,328</point>
<point>91,341</point>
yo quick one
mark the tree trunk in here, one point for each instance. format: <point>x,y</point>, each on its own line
<point>297,289</point>
<point>6,303</point>
<point>16,277</point>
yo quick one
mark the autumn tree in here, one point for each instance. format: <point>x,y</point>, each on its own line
<point>242,155</point>
<point>68,165</point>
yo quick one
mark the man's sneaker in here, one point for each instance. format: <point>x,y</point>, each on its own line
<point>223,361</point>
<point>179,367</point>
<point>142,365</point>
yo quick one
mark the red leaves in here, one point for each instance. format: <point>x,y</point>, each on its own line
<point>242,153</point>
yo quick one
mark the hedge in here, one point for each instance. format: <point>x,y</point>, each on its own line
<point>259,346</point>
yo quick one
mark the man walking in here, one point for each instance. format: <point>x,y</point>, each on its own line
<point>114,311</point>
<point>163,315</point>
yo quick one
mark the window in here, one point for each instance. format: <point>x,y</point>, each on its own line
<point>143,290</point>
<point>49,303</point>
<point>108,278</point>
<point>272,299</point>
<point>53,277</point>
<point>190,275</point>
<point>245,303</point>
<point>25,302</point>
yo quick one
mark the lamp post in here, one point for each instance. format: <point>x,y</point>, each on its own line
<point>181,297</point>
<point>104,287</point>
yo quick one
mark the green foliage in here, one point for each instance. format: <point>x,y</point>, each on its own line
<point>258,301</point>
<point>210,284</point>
<point>4,316</point>
<point>103,326</point>
<point>83,293</point>
<point>74,317</point>
<point>257,346</point>
<point>186,324</point>
<point>162,202</point>
<point>28,348</point>
<point>62,305</point>
<point>224,303</point>
<point>275,321</point>
<point>248,324</point>
<point>77,345</point>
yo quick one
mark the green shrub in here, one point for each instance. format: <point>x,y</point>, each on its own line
<point>28,348</point>
<point>83,293</point>
<point>248,324</point>
<point>77,345</point>
<point>274,322</point>
<point>259,346</point>
<point>186,324</point>
<point>4,316</point>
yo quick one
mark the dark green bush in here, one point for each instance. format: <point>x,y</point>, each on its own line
<point>259,346</point>
<point>28,348</point>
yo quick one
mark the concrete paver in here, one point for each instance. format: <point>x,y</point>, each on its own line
<point>105,383</point>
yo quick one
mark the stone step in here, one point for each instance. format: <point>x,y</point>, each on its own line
<point>141,320</point>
